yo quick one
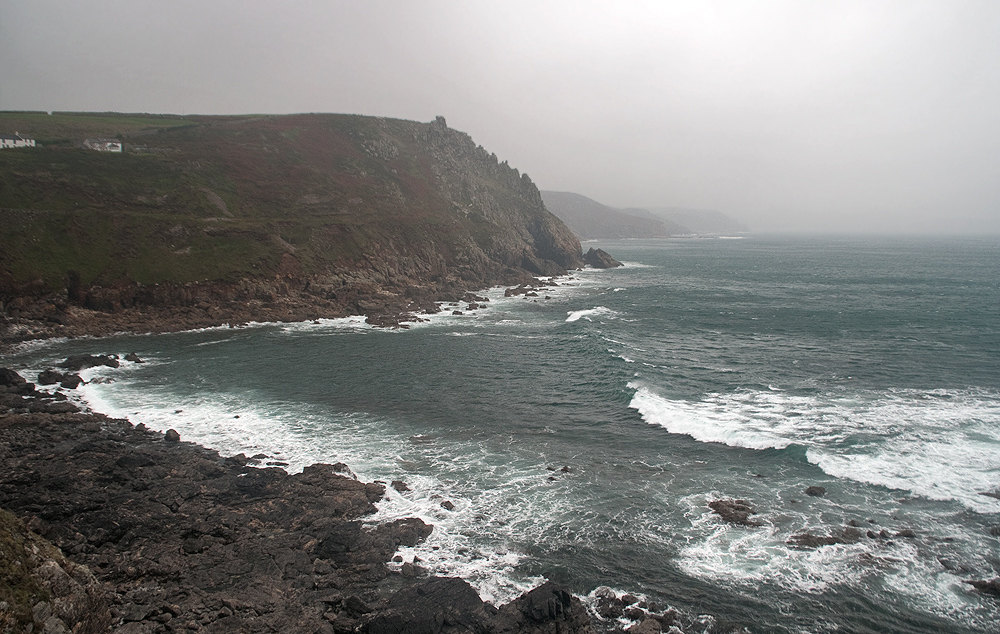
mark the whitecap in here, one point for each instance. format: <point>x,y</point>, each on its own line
<point>941,445</point>
<point>590,312</point>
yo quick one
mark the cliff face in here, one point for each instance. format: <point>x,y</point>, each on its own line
<point>306,215</point>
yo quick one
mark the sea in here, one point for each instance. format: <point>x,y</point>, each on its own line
<point>579,433</point>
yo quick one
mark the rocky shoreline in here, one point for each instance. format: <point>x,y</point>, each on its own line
<point>162,535</point>
<point>109,526</point>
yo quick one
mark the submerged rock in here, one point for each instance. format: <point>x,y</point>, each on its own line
<point>815,491</point>
<point>846,535</point>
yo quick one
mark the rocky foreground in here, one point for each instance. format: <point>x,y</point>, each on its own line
<point>113,527</point>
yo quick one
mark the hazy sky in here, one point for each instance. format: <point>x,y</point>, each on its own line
<point>806,115</point>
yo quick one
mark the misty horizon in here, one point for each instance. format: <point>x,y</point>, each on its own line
<point>854,117</point>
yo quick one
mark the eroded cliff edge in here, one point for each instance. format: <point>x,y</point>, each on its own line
<point>221,220</point>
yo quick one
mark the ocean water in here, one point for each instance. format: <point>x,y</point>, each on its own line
<point>705,368</point>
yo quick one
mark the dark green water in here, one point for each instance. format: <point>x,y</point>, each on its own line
<point>747,368</point>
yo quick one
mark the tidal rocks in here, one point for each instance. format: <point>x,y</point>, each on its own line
<point>171,435</point>
<point>600,259</point>
<point>846,535</point>
<point>84,361</point>
<point>18,395</point>
<point>735,511</point>
<point>815,491</point>
<point>67,380</point>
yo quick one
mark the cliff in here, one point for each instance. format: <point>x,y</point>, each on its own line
<point>210,220</point>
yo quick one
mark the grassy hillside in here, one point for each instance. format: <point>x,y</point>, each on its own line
<point>200,198</point>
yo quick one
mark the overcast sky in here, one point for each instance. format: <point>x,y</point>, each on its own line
<point>822,115</point>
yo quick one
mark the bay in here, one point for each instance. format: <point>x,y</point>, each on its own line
<point>579,435</point>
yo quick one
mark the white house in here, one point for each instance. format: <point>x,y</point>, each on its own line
<point>103,145</point>
<point>8,141</point>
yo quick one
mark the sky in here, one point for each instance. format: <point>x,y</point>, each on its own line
<point>789,115</point>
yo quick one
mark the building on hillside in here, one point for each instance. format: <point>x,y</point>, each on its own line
<point>103,145</point>
<point>15,140</point>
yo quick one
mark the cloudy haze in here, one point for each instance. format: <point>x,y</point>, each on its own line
<point>842,116</point>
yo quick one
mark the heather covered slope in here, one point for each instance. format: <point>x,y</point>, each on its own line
<point>353,211</point>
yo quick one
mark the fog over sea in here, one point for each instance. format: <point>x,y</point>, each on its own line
<point>747,368</point>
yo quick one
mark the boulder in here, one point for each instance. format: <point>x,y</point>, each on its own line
<point>171,435</point>
<point>815,491</point>
<point>70,381</point>
<point>133,358</point>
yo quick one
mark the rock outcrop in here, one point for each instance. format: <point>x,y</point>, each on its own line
<point>600,259</point>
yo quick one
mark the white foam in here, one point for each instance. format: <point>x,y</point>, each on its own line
<point>942,445</point>
<point>746,558</point>
<point>588,313</point>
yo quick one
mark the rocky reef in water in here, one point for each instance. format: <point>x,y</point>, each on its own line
<point>223,220</point>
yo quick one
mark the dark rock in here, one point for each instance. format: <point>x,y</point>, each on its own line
<point>991,494</point>
<point>430,606</point>
<point>400,486</point>
<point>906,532</point>
<point>447,505</point>
<point>815,491</point>
<point>10,378</point>
<point>986,587</point>
<point>547,608</point>
<point>735,511</point>
<point>84,361</point>
<point>171,435</point>
<point>70,381</point>
<point>646,626</point>
<point>133,358</point>
<point>600,259</point>
<point>607,603</point>
<point>49,377</point>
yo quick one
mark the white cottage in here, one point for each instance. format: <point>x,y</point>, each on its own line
<point>17,140</point>
<point>103,145</point>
